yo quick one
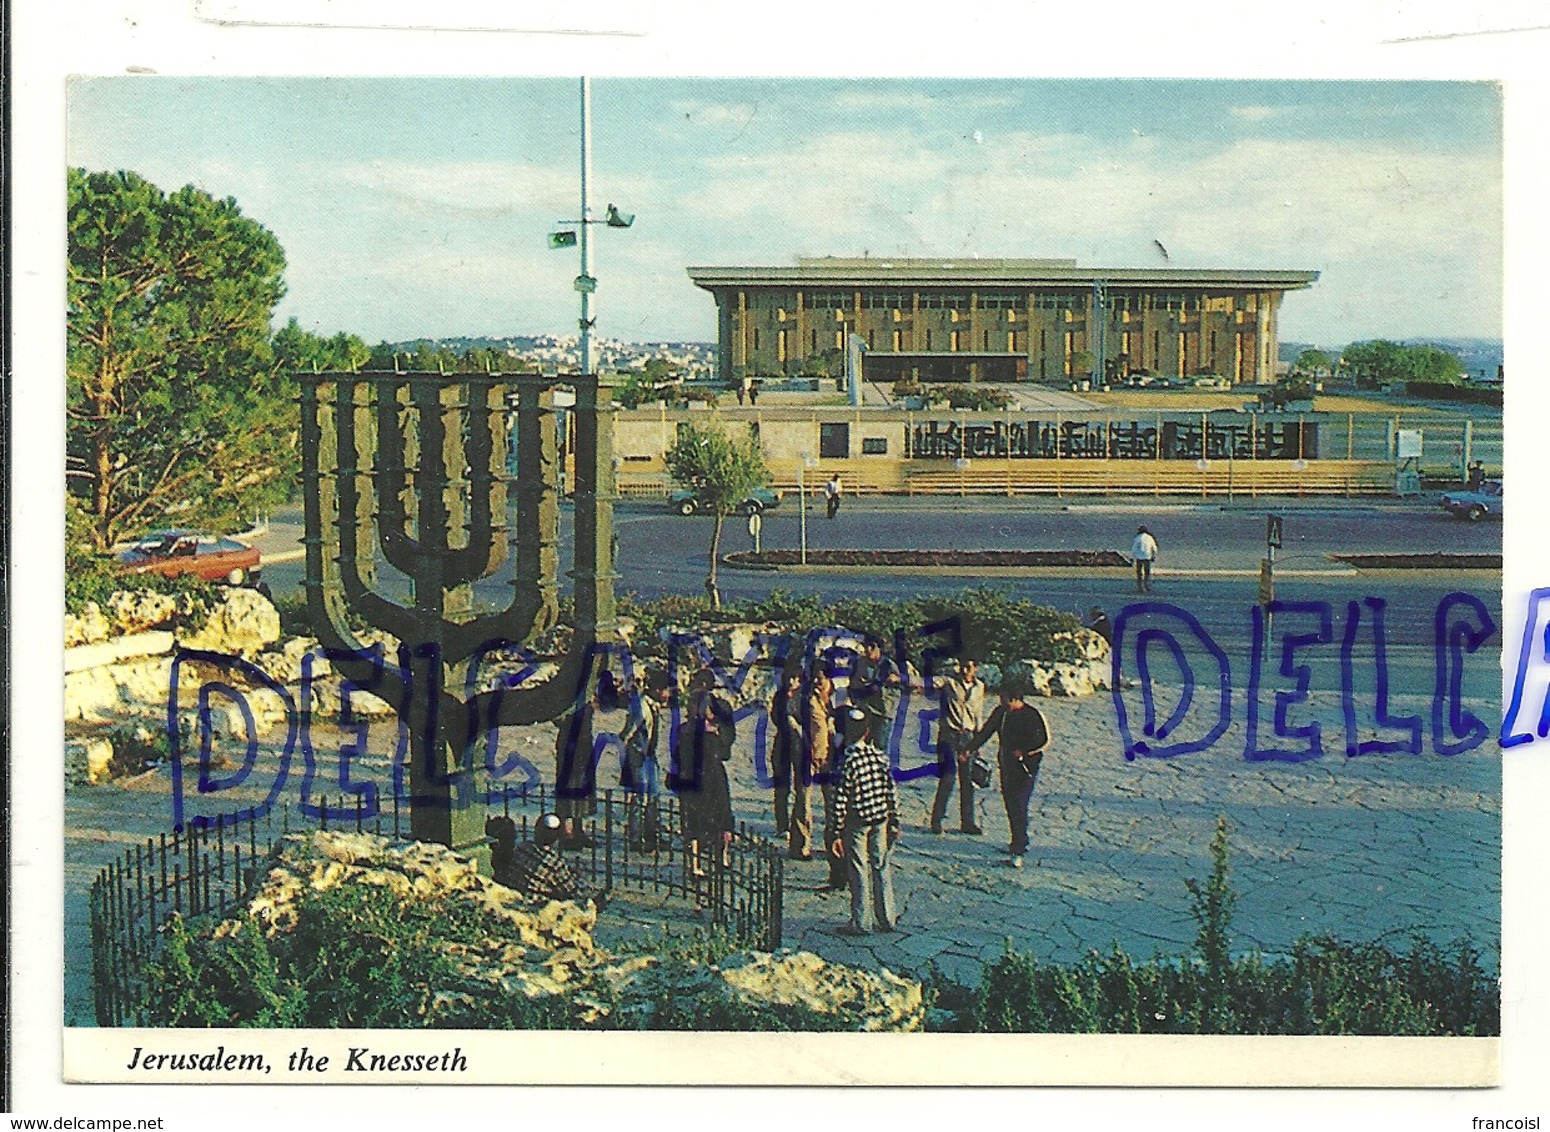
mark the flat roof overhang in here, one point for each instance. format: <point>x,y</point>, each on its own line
<point>993,275</point>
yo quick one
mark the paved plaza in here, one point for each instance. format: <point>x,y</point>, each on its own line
<point>1378,847</point>
<point>1372,848</point>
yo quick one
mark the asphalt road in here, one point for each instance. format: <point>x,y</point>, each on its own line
<point>1208,564</point>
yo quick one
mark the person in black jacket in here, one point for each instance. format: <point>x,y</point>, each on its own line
<point>704,791</point>
<point>786,756</point>
<point>1023,735</point>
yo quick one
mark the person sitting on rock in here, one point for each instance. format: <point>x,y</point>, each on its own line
<point>535,868</point>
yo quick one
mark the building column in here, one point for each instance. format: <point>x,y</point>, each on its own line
<point>1262,340</point>
<point>725,328</point>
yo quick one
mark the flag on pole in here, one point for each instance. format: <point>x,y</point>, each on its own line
<point>562,239</point>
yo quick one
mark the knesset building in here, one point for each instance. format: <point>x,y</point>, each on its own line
<point>1000,320</point>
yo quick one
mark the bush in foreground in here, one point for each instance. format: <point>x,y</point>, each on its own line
<point>990,623</point>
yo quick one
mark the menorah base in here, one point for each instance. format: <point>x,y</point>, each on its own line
<point>461,829</point>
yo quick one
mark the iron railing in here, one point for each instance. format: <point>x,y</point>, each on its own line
<point>212,871</point>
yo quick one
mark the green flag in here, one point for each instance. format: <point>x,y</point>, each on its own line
<point>562,239</point>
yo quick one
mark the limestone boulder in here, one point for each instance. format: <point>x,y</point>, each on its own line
<point>137,688</point>
<point>521,950</point>
<point>242,624</point>
<point>90,695</point>
<point>87,627</point>
<point>865,1000</point>
<point>283,663</point>
<point>88,761</point>
<point>132,611</point>
<point>748,653</point>
<point>1091,645</point>
<point>116,650</point>
<point>1073,680</point>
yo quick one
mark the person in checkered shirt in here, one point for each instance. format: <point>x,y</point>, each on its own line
<point>866,811</point>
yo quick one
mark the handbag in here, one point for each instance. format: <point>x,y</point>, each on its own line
<point>980,770</point>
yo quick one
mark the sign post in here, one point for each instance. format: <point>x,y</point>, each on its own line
<point>1267,564</point>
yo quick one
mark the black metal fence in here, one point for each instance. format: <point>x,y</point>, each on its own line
<point>630,845</point>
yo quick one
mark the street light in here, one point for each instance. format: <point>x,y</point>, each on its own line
<point>586,282</point>
<point>807,462</point>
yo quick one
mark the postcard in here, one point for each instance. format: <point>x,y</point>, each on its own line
<point>650,580</point>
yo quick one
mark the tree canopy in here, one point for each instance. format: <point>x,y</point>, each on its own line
<point>298,351</point>
<point>175,409</point>
<point>1313,361</point>
<point>1380,362</point>
<point>423,356</point>
<point>722,471</point>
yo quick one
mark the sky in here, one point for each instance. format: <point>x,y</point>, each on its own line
<point>419,207</point>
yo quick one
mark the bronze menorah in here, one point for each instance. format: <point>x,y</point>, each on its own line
<point>413,468</point>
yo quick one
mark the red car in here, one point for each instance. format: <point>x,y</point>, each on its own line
<point>210,558</point>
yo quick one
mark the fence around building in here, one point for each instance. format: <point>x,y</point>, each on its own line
<point>214,870</point>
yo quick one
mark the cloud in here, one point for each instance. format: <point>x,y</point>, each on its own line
<point>1254,113</point>
<point>714,113</point>
<point>864,99</point>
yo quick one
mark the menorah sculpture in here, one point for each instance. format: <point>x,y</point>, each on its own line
<point>413,467</point>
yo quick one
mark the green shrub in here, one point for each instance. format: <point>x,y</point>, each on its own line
<point>974,397</point>
<point>358,956</point>
<point>990,624</point>
<point>1211,906</point>
<point>197,981</point>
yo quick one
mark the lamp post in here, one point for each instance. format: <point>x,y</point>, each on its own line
<point>586,282</point>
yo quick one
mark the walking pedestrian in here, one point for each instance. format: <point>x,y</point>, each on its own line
<point>1143,548</point>
<point>1023,735</point>
<point>786,760</point>
<point>819,756</point>
<point>576,753</point>
<point>867,809</point>
<point>753,392</point>
<point>963,711</point>
<point>643,745</point>
<point>832,491</point>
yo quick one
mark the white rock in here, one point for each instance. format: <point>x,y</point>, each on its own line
<point>146,681</point>
<point>88,760</point>
<point>90,694</point>
<point>243,623</point>
<point>87,627</point>
<point>117,650</point>
<point>134,610</point>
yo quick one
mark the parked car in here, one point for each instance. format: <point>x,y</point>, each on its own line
<point>685,502</point>
<point>1475,505</point>
<point>176,553</point>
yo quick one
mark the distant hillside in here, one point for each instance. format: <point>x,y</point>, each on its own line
<point>1481,356</point>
